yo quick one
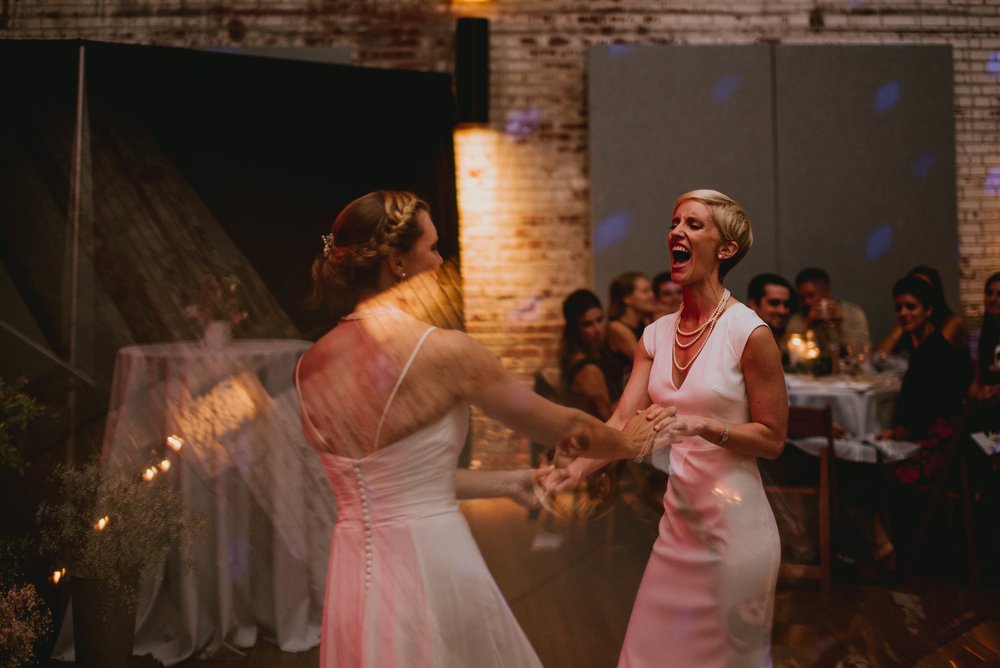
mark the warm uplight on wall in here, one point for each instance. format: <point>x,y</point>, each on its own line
<point>476,176</point>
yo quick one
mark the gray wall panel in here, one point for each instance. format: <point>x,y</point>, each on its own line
<point>665,120</point>
<point>842,155</point>
<point>866,168</point>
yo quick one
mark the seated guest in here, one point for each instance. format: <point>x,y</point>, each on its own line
<point>985,389</point>
<point>770,296</point>
<point>945,320</point>
<point>586,379</point>
<point>631,306</point>
<point>835,323</point>
<point>668,295</point>
<point>930,398</point>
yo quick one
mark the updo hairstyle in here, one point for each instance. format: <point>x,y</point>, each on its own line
<point>368,230</point>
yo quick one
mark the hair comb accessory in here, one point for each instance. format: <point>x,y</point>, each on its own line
<point>328,245</point>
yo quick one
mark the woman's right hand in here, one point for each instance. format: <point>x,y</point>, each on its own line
<point>641,428</point>
<point>557,480</point>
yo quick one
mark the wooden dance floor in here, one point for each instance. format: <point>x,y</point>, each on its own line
<point>572,586</point>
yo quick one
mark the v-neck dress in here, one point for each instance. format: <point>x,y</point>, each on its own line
<point>707,595</point>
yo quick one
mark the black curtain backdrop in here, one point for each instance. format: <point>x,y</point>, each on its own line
<point>195,162</point>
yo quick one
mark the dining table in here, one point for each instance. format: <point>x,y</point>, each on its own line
<point>862,405</point>
<point>227,419</point>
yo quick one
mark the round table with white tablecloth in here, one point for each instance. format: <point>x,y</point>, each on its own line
<point>862,405</point>
<point>244,466</point>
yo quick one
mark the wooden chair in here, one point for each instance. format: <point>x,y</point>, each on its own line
<point>807,422</point>
<point>953,484</point>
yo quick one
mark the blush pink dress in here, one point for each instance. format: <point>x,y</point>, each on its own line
<point>407,586</point>
<point>707,595</point>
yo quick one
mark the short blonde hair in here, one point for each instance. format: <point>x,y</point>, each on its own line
<point>729,217</point>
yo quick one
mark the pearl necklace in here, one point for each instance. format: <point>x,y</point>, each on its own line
<point>709,325</point>
<point>715,314</point>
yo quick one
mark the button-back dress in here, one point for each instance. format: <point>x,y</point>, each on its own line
<point>407,585</point>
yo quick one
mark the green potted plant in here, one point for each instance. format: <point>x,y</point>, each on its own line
<point>24,618</point>
<point>17,411</point>
<point>108,529</point>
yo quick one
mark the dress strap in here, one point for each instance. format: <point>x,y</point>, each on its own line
<point>302,408</point>
<point>399,381</point>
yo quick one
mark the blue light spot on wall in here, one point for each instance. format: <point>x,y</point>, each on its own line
<point>993,181</point>
<point>525,310</point>
<point>610,231</point>
<point>726,87</point>
<point>924,165</point>
<point>619,50</point>
<point>993,63</point>
<point>887,96</point>
<point>879,242</point>
<point>522,122</point>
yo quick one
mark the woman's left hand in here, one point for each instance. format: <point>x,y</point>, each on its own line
<point>677,426</point>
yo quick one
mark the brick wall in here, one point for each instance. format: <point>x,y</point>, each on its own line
<point>528,246</point>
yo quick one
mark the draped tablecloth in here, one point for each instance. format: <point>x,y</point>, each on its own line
<point>862,406</point>
<point>246,469</point>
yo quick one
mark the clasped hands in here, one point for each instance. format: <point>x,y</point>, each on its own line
<point>641,430</point>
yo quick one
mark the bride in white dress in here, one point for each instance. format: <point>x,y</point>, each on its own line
<point>385,400</point>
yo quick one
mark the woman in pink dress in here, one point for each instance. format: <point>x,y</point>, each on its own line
<point>707,595</point>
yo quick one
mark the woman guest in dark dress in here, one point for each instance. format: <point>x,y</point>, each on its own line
<point>946,321</point>
<point>587,378</point>
<point>930,398</point>
<point>984,392</point>
<point>629,311</point>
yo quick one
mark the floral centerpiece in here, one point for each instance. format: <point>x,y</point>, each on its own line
<point>218,308</point>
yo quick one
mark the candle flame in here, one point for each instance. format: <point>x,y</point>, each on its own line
<point>58,575</point>
<point>175,442</point>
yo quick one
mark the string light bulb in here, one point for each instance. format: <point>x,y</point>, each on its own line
<point>175,442</point>
<point>102,523</point>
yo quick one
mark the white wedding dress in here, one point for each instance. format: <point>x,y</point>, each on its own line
<point>407,585</point>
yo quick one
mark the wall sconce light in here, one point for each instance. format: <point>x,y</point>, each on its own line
<point>472,71</point>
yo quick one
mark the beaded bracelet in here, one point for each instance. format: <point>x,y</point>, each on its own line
<point>725,433</point>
